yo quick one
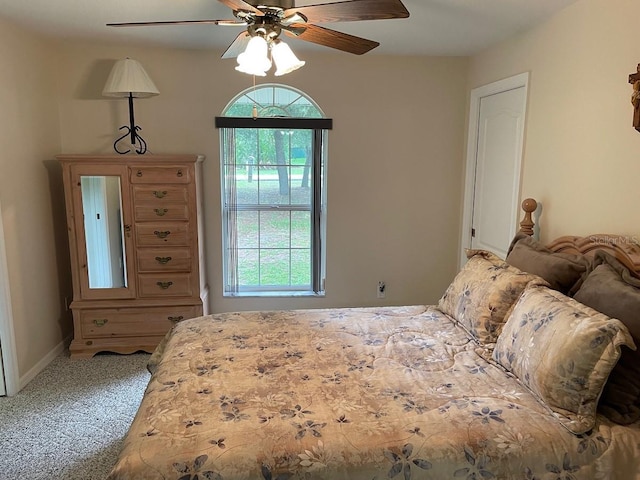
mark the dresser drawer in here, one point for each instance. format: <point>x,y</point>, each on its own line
<point>145,213</point>
<point>163,174</point>
<point>162,234</point>
<point>164,259</point>
<point>123,322</point>
<point>159,195</point>
<point>165,285</point>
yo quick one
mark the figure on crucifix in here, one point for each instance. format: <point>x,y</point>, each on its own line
<point>634,79</point>
<point>635,96</point>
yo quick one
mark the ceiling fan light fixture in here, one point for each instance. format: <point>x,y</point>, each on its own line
<point>284,58</point>
<point>255,60</point>
<point>267,19</point>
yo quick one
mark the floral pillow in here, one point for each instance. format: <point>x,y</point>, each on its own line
<point>483,292</point>
<point>563,351</point>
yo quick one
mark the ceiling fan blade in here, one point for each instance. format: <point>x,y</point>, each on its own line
<point>237,46</point>
<point>351,10</point>
<point>178,22</point>
<point>331,38</point>
<point>241,5</point>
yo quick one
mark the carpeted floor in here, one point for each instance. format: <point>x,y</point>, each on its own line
<point>69,422</point>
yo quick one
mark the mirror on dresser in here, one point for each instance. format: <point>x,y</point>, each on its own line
<point>101,215</point>
<point>103,228</point>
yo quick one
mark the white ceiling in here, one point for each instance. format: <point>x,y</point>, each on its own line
<point>435,27</point>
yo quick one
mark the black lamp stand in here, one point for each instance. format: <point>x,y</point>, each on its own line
<point>136,140</point>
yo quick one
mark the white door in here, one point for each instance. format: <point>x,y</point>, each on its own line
<point>494,158</point>
<point>8,358</point>
<point>5,314</point>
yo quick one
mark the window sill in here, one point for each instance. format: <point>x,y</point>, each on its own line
<point>274,294</point>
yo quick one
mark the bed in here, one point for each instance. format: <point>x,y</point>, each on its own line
<point>509,376</point>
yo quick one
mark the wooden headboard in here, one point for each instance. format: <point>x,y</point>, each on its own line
<point>625,248</point>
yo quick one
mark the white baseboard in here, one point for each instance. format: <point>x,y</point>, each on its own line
<point>42,364</point>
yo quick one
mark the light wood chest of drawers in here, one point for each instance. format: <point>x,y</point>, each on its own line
<point>136,248</point>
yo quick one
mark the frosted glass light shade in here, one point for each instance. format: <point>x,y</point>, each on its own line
<point>127,76</point>
<point>254,60</point>
<point>284,58</point>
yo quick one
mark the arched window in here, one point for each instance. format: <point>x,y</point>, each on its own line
<point>273,100</point>
<point>273,157</point>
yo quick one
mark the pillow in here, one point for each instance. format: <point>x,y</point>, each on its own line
<point>561,270</point>
<point>563,352</point>
<point>610,288</point>
<point>481,294</point>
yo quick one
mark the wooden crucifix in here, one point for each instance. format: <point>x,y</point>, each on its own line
<point>634,79</point>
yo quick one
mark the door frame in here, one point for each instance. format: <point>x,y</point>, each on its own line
<point>7,336</point>
<point>477,94</point>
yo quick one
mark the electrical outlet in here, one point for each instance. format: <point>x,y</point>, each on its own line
<point>382,289</point>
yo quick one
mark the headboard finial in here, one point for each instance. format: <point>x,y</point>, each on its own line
<point>529,206</point>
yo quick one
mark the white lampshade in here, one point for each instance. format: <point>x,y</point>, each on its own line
<point>128,77</point>
<point>254,60</point>
<point>284,58</point>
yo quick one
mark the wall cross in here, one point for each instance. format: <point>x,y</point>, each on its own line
<point>634,79</point>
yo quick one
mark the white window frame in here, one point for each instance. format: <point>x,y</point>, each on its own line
<point>317,208</point>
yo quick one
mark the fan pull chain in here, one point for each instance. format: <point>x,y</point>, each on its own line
<point>254,111</point>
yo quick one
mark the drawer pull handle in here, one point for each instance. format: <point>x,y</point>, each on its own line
<point>100,322</point>
<point>164,285</point>
<point>160,211</point>
<point>159,194</point>
<point>179,174</point>
<point>139,173</point>
<point>175,319</point>
<point>163,260</point>
<point>164,234</point>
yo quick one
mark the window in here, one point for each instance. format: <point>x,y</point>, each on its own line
<point>273,192</point>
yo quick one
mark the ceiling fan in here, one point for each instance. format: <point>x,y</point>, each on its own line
<point>268,18</point>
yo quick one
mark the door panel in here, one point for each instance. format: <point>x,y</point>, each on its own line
<point>8,383</point>
<point>495,204</point>
<point>494,156</point>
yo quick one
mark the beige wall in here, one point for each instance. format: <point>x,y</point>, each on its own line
<point>32,214</point>
<point>581,153</point>
<point>395,156</point>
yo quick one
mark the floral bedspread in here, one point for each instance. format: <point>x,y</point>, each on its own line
<point>363,393</point>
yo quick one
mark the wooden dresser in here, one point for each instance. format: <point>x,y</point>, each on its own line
<point>136,248</point>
